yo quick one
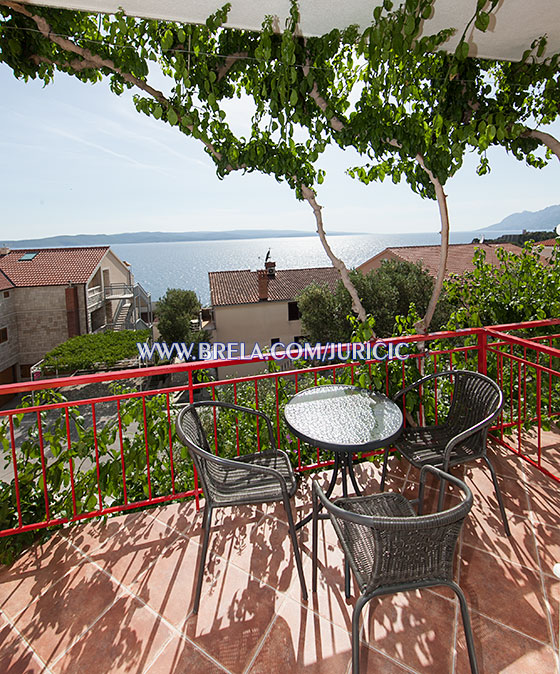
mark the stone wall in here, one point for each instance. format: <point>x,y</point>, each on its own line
<point>42,320</point>
<point>8,350</point>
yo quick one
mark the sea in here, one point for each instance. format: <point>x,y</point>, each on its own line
<point>185,264</point>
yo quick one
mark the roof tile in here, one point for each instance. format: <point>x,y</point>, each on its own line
<point>241,286</point>
<point>51,266</point>
<point>459,260</point>
<point>5,283</point>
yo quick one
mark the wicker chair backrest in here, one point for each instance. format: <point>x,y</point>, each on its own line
<point>401,550</point>
<point>475,398</point>
<point>211,472</point>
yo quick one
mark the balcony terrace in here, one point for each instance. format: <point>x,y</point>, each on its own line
<point>115,595</point>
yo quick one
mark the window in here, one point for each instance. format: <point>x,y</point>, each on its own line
<point>293,311</point>
<point>274,341</point>
<point>6,293</point>
<point>299,339</point>
<point>3,335</point>
<point>27,256</point>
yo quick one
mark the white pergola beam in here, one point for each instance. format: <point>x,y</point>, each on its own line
<point>514,24</point>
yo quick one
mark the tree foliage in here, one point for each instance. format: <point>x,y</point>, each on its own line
<point>387,293</point>
<point>522,287</point>
<point>175,312</point>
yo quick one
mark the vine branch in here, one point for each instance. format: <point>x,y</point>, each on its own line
<point>337,263</point>
<point>552,143</point>
<point>90,60</point>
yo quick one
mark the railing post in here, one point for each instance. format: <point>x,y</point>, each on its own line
<point>482,351</point>
<point>191,391</point>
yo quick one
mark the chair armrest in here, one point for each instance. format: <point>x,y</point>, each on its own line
<point>419,382</point>
<point>244,465</point>
<point>239,408</point>
<point>442,475</point>
<point>233,463</point>
<point>455,440</point>
<point>389,523</point>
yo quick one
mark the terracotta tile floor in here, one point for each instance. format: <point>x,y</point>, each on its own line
<point>116,596</point>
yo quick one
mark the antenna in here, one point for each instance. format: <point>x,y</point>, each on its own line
<point>268,254</point>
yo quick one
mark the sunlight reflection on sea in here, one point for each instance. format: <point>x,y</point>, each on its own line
<point>185,264</point>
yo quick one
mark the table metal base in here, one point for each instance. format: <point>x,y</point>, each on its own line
<point>342,464</point>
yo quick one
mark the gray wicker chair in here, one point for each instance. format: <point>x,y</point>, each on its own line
<point>461,436</point>
<point>261,477</point>
<point>391,549</point>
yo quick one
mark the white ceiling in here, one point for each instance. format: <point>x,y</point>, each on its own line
<point>514,25</point>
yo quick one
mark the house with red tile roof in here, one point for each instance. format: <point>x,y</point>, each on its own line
<point>48,295</point>
<point>259,307</point>
<point>549,246</point>
<point>459,260</point>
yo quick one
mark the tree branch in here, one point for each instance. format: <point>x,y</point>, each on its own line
<point>91,60</point>
<point>335,123</point>
<point>546,139</point>
<point>230,62</point>
<point>337,263</point>
<point>423,325</point>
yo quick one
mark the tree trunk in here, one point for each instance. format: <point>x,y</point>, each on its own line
<point>423,325</point>
<point>337,263</point>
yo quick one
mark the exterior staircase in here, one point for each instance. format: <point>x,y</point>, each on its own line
<point>120,318</point>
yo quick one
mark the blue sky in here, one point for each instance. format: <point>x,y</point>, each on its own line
<point>78,159</point>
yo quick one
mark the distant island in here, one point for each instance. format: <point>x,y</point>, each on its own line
<point>518,239</point>
<point>531,221</point>
<point>159,237</point>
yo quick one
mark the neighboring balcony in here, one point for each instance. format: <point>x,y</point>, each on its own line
<point>119,306</point>
<point>116,595</point>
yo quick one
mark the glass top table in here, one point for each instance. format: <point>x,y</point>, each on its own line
<point>343,419</point>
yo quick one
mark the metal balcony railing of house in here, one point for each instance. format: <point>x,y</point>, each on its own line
<point>95,297</point>
<point>115,291</point>
<point>133,305</point>
<point>89,456</point>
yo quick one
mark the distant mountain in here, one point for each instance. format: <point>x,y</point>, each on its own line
<point>547,218</point>
<point>156,237</point>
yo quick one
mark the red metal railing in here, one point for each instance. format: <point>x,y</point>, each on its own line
<point>528,371</point>
<point>67,460</point>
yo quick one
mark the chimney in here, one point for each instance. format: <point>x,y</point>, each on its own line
<point>262,279</point>
<point>4,250</point>
<point>270,268</point>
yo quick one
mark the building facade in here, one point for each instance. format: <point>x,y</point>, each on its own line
<point>260,307</point>
<point>48,295</point>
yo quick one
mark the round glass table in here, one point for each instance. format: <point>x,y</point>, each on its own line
<point>343,419</point>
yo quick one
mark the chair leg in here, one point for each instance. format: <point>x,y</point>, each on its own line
<point>466,625</point>
<point>441,496</point>
<point>360,603</point>
<point>442,486</point>
<point>293,536</point>
<point>498,495</point>
<point>384,472</point>
<point>206,523</point>
<point>314,542</point>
